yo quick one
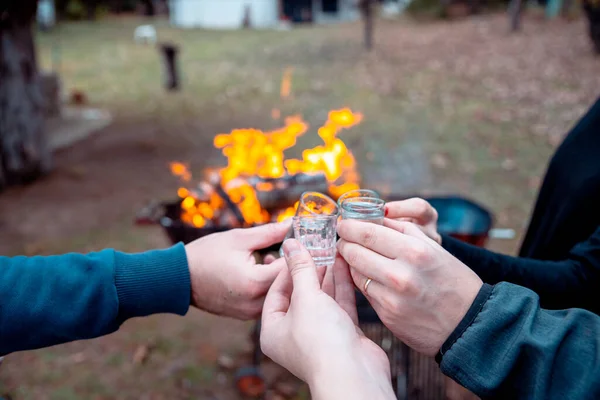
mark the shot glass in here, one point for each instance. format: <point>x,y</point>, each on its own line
<point>362,205</point>
<point>318,234</point>
<point>357,193</point>
<point>313,204</point>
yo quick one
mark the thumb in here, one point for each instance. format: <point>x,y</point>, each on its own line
<point>301,266</point>
<point>263,236</point>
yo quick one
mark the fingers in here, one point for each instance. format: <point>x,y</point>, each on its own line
<point>414,208</point>
<point>266,273</point>
<point>262,236</point>
<point>277,300</point>
<point>382,240</point>
<point>276,306</point>
<point>328,285</point>
<point>406,228</point>
<point>380,296</point>
<point>344,288</point>
<point>269,258</point>
<point>366,261</point>
<point>301,267</point>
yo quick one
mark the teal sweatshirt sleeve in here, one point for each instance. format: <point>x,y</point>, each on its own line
<point>58,299</point>
<point>510,348</point>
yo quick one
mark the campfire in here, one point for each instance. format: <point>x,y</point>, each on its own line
<point>259,185</point>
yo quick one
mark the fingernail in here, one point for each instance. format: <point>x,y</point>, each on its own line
<point>291,247</point>
<point>385,213</point>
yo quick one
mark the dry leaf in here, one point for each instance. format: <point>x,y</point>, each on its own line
<point>226,362</point>
<point>141,354</point>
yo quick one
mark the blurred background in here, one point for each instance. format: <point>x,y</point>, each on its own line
<point>112,109</point>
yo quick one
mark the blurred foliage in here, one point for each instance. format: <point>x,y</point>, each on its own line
<point>75,10</point>
<point>441,9</point>
<point>78,9</point>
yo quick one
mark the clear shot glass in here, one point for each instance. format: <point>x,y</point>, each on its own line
<point>318,234</point>
<point>362,205</point>
<point>313,204</point>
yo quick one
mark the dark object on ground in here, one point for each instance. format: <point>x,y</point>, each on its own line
<point>169,53</point>
<point>462,219</point>
<point>592,11</point>
<point>78,98</point>
<point>250,382</point>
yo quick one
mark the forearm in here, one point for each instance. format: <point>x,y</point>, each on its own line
<point>57,299</point>
<point>514,349</point>
<point>560,284</point>
<point>351,383</point>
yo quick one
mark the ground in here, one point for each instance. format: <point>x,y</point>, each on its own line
<point>450,107</point>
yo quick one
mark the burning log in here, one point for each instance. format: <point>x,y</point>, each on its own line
<point>280,193</point>
<point>230,204</point>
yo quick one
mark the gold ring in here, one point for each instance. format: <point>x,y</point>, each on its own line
<point>367,283</point>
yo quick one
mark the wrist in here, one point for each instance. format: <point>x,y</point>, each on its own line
<point>349,378</point>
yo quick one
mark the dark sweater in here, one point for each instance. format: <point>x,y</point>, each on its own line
<point>513,349</point>
<point>58,299</point>
<point>570,283</point>
<point>567,212</point>
<point>507,346</point>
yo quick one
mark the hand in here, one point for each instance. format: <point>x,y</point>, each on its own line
<point>226,280</point>
<point>316,338</point>
<point>418,289</point>
<point>417,211</point>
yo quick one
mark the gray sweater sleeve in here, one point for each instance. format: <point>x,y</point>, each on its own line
<point>513,349</point>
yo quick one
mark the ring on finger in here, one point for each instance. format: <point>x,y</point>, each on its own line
<point>367,283</point>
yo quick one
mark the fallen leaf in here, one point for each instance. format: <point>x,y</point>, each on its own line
<point>508,164</point>
<point>226,362</point>
<point>439,160</point>
<point>141,354</point>
<point>77,358</point>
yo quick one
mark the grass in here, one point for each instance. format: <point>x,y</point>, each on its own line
<point>456,107</point>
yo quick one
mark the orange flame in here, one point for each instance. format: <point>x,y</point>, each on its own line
<point>286,83</point>
<point>254,153</point>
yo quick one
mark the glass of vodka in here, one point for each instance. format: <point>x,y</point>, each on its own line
<point>362,205</point>
<point>318,234</point>
<point>313,204</point>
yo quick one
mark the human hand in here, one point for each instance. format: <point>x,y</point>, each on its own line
<point>226,280</point>
<point>418,289</point>
<point>417,211</point>
<point>316,336</point>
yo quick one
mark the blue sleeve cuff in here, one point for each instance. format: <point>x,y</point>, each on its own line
<point>152,282</point>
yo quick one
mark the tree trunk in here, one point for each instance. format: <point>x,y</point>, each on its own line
<point>149,10</point>
<point>515,9</point>
<point>90,6</point>
<point>24,153</point>
<point>366,7</point>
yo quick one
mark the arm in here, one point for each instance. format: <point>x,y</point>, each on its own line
<point>57,299</point>
<point>560,284</point>
<point>514,349</point>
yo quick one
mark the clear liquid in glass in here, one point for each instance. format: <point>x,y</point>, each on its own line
<point>318,235</point>
<point>366,211</point>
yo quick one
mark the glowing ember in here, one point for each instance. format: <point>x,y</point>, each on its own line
<point>252,154</point>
